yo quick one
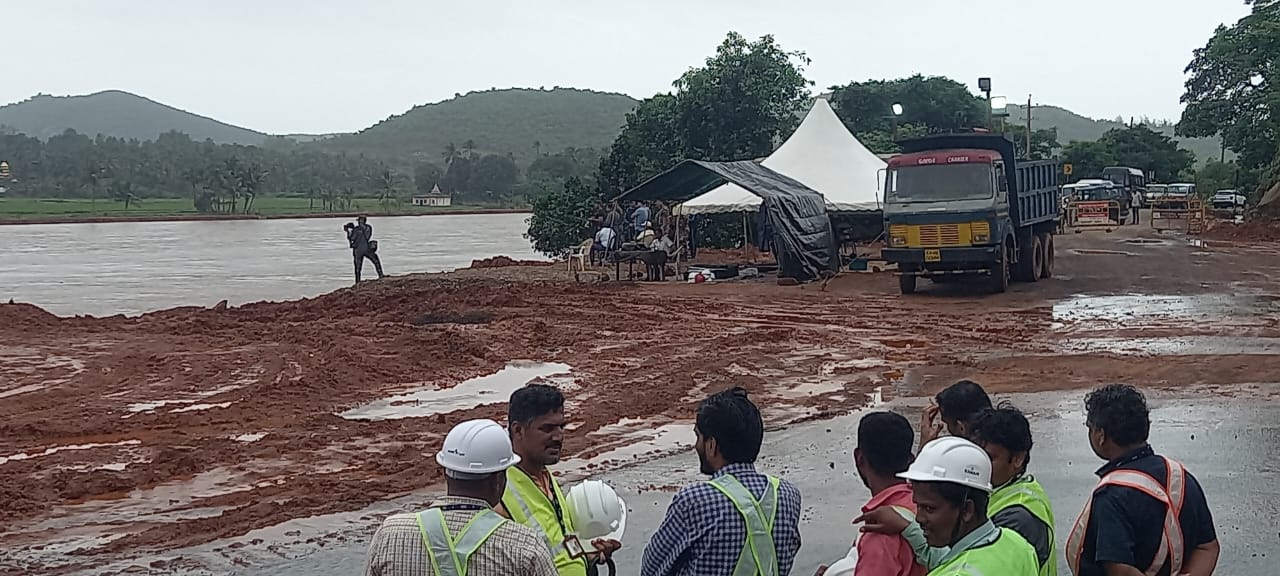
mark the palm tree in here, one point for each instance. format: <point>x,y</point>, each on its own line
<point>470,147</point>
<point>450,153</point>
<point>348,197</point>
<point>249,180</point>
<point>387,189</point>
<point>537,148</point>
<point>312,194</point>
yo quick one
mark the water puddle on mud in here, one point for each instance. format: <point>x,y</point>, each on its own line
<point>491,389</point>
<point>21,390</point>
<point>186,403</point>
<point>56,449</point>
<point>1176,345</point>
<point>1091,252</point>
<point>1142,310</point>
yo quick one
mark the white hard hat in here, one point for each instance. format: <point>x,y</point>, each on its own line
<point>477,447</point>
<point>597,511</point>
<point>952,459</point>
<point>844,566</point>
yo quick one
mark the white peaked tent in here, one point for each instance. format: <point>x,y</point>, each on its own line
<point>820,154</point>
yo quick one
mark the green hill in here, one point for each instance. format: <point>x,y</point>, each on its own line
<point>116,113</point>
<point>1074,127</point>
<point>517,121</point>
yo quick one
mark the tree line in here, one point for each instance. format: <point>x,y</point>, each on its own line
<point>217,177</point>
<point>227,178</point>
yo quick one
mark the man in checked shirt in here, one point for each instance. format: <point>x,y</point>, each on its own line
<point>706,531</point>
<point>460,533</point>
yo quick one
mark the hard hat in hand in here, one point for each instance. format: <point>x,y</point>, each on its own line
<point>597,511</point>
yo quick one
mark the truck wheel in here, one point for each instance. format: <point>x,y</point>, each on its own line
<point>1047,270</point>
<point>1037,258</point>
<point>1000,271</point>
<point>907,283</point>
<point>1025,270</point>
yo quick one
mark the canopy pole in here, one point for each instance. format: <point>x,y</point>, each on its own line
<point>745,242</point>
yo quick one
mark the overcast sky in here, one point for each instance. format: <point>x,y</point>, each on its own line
<point>316,66</point>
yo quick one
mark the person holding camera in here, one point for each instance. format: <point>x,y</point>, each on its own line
<point>360,237</point>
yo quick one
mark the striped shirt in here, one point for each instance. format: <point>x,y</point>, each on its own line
<point>703,533</point>
<point>398,549</point>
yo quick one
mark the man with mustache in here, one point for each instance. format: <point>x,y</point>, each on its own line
<point>741,522</point>
<point>951,486</point>
<point>535,421</point>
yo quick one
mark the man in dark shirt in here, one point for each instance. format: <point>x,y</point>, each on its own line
<point>1122,529</point>
<point>360,237</point>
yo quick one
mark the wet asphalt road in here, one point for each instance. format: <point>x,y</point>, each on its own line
<point>1230,444</point>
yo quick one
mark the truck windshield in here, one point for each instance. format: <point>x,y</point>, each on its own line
<point>941,182</point>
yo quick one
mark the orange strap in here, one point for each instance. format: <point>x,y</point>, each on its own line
<point>1171,541</point>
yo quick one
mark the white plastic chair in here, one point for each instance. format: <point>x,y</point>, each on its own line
<point>580,254</point>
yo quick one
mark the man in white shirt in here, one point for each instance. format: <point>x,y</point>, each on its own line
<point>603,244</point>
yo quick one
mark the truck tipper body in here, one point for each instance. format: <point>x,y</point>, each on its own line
<point>960,206</point>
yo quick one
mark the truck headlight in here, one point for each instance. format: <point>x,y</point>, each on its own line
<point>981,237</point>
<point>897,241</point>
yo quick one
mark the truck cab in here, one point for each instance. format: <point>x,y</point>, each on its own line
<point>960,205</point>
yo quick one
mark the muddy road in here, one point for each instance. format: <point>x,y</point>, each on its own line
<point>124,439</point>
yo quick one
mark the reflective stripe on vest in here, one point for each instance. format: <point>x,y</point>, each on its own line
<point>1008,555</point>
<point>1028,493</point>
<point>524,500</point>
<point>1171,541</point>
<point>449,556</point>
<point>759,557</point>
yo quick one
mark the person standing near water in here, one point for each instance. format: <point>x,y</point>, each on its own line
<point>360,237</point>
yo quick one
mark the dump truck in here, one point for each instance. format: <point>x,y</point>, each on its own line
<point>960,206</point>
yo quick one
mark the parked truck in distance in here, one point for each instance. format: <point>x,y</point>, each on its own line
<point>961,206</point>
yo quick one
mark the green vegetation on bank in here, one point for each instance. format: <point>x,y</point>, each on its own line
<point>38,208</point>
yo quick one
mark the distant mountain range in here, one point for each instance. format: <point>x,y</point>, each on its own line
<point>116,113</point>
<point>520,122</point>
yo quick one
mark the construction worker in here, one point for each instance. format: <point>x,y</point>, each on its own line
<point>952,534</point>
<point>461,534</point>
<point>954,406</point>
<point>741,522</point>
<point>1018,502</point>
<point>1148,515</point>
<point>535,420</point>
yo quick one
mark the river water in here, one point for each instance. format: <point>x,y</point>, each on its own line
<point>134,267</point>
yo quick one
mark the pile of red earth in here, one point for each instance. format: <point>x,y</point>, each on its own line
<point>503,262</point>
<point>1255,230</point>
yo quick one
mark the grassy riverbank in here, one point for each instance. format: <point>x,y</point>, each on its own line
<point>33,210</point>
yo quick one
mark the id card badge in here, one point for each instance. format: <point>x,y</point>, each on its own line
<point>573,546</point>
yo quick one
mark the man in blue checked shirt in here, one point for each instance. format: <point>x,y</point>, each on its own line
<point>707,526</point>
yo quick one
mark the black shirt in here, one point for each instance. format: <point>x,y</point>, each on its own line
<point>1126,524</point>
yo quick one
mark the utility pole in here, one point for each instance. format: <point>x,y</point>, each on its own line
<point>1028,125</point>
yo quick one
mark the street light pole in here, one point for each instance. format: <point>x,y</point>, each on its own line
<point>984,84</point>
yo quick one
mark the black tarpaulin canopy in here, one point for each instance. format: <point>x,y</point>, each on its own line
<point>803,241</point>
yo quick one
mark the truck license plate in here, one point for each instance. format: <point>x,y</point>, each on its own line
<point>932,256</point>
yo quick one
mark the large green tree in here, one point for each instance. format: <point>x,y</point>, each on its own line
<point>559,220</point>
<point>741,100</point>
<point>1137,147</point>
<point>929,104</point>
<point>1231,90</point>
<point>649,143</point>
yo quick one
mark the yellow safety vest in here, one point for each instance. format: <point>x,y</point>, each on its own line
<point>1028,493</point>
<point>1008,555</point>
<point>759,556</point>
<point>1171,542</point>
<point>527,504</point>
<point>449,556</point>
